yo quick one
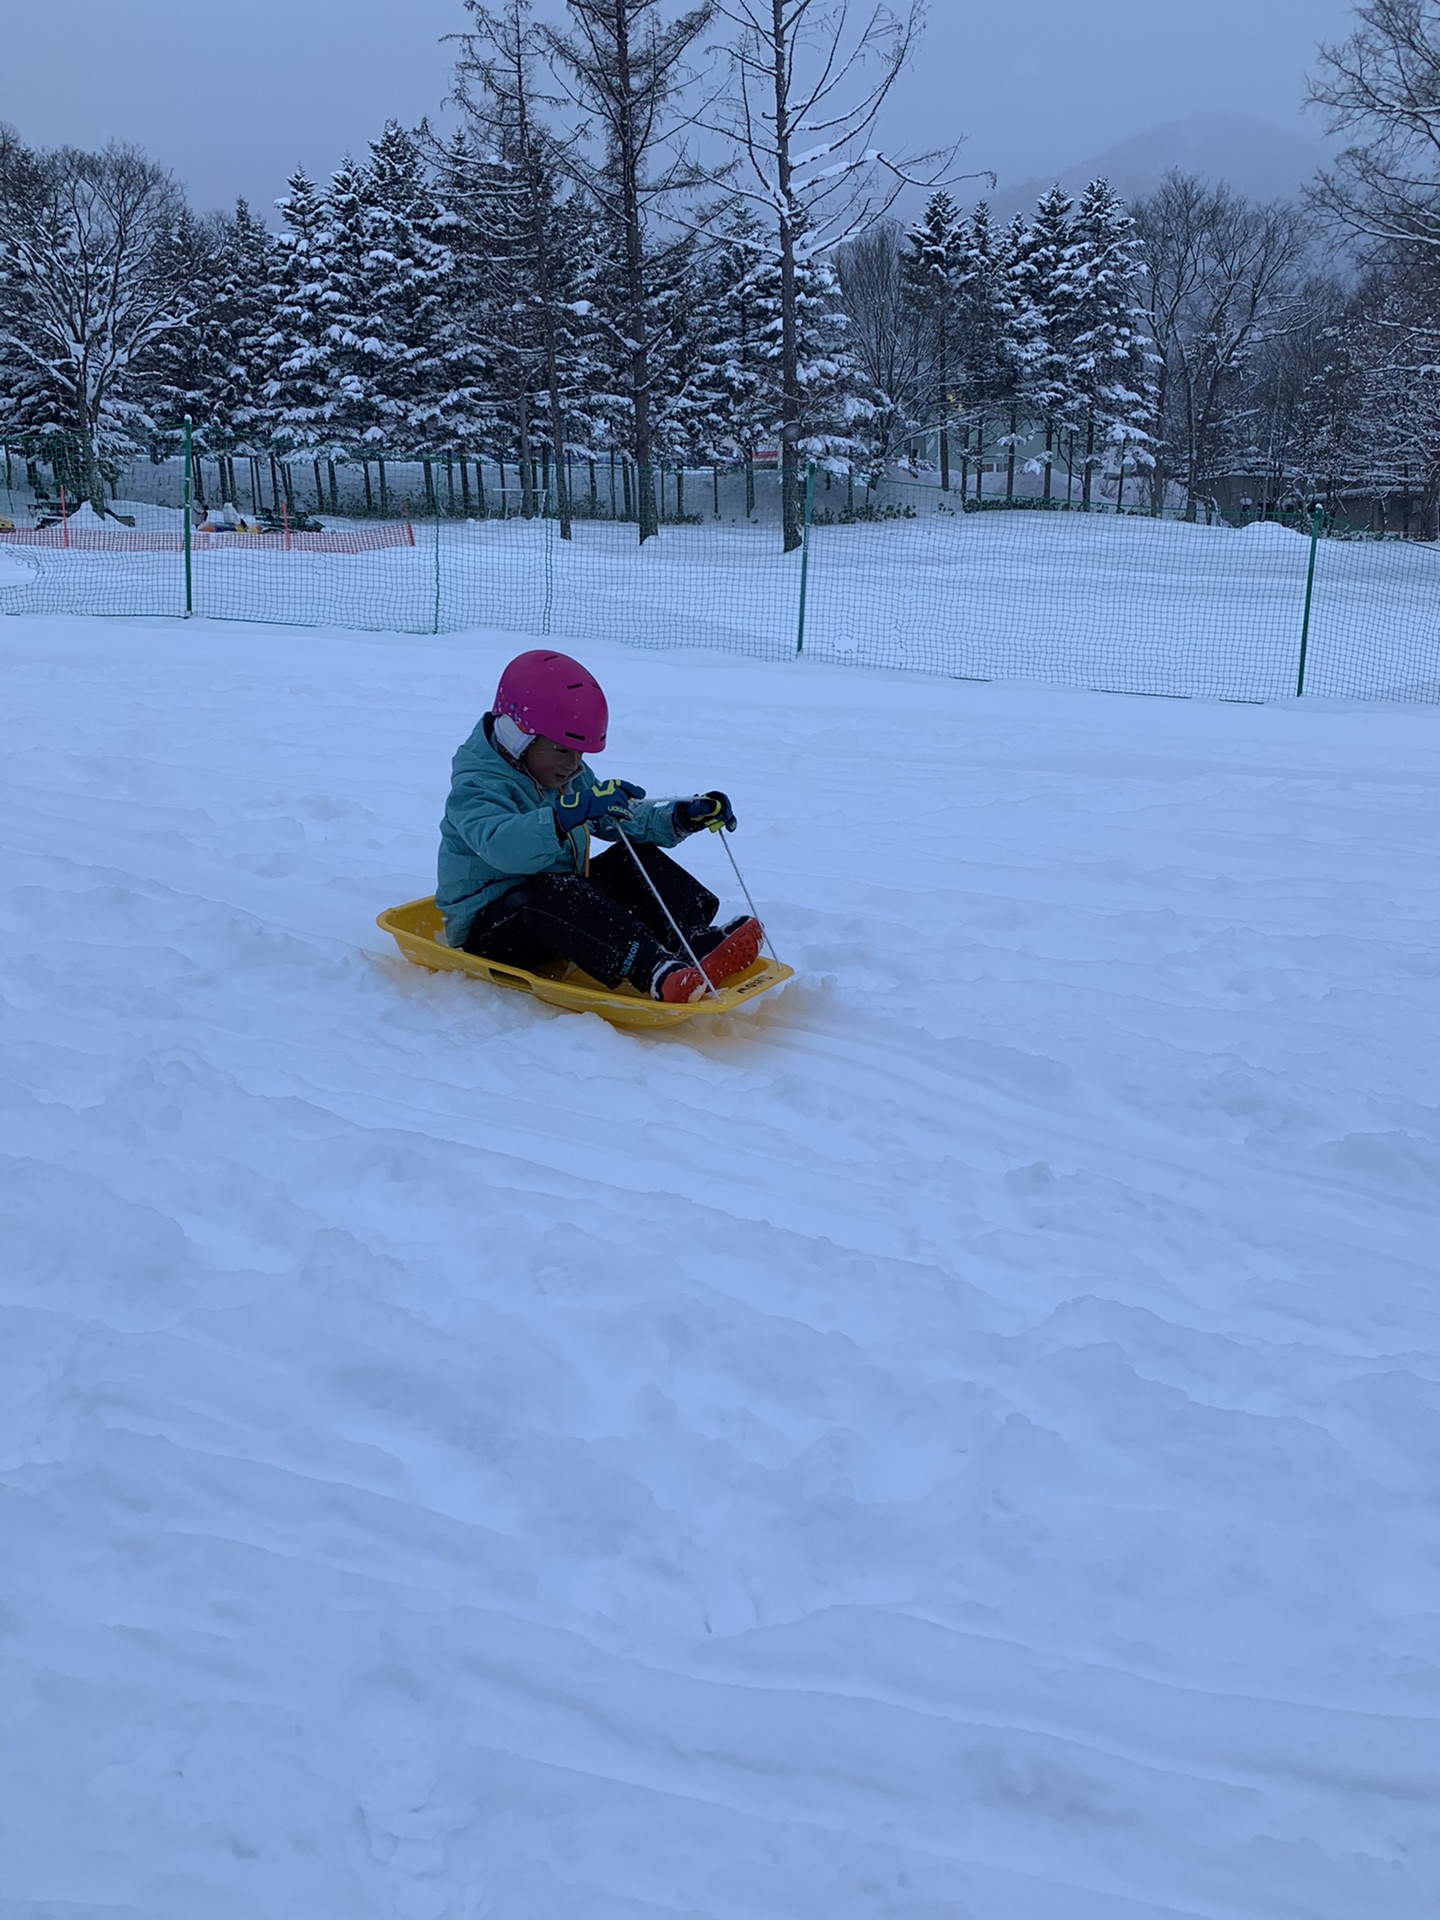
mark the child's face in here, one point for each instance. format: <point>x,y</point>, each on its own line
<point>550,765</point>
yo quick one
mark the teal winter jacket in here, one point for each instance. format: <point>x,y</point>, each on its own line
<point>499,827</point>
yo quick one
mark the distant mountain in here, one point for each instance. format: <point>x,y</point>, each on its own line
<point>1258,160</point>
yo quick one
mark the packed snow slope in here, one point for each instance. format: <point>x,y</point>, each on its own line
<point>957,1444</point>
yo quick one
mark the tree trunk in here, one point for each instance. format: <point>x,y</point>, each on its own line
<point>1089,467</point>
<point>527,460</point>
<point>944,403</point>
<point>791,535</point>
<point>1049,451</point>
<point>557,425</point>
<point>89,476</point>
<point>627,136</point>
<point>1010,462</point>
<point>1159,479</point>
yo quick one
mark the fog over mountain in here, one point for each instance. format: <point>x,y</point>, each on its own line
<point>1261,161</point>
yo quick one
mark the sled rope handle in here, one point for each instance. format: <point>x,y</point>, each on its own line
<point>640,867</point>
<point>725,842</point>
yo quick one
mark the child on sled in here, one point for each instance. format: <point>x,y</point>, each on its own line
<point>516,881</point>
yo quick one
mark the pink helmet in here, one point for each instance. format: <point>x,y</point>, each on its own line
<point>550,693</point>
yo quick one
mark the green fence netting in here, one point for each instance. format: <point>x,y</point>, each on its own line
<point>894,575</point>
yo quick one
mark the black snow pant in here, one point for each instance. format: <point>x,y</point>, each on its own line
<point>608,923</point>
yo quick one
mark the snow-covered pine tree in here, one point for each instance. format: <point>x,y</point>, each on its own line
<point>407,267</point>
<point>933,264</point>
<point>515,347</point>
<point>299,394</point>
<point>240,323</point>
<point>468,324</point>
<point>1045,297</point>
<point>1110,371</point>
<point>984,345</point>
<point>498,86</point>
<point>736,356</point>
<point>187,369</point>
<point>692,386</point>
<point>828,402</point>
<point>356,359</point>
<point>834,399</point>
<point>604,384</point>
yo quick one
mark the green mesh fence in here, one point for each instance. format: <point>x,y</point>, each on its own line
<point>896,575</point>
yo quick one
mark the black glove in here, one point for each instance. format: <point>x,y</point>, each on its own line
<point>712,810</point>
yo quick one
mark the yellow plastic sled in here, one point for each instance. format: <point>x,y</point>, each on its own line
<point>416,929</point>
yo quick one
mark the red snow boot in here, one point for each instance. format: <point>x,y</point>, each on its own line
<point>737,946</point>
<point>680,984</point>
<point>737,949</point>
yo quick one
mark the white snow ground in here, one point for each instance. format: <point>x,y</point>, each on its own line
<point>958,1444</point>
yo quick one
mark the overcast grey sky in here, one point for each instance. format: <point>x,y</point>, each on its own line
<point>232,97</point>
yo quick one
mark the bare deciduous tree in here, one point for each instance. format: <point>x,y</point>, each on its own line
<point>810,82</point>
<point>887,334</point>
<point>627,69</point>
<point>1384,84</point>
<point>496,86</point>
<point>96,258</point>
<point>1223,275</point>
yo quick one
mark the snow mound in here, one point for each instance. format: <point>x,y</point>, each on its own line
<point>85,516</point>
<point>957,1442</point>
<point>149,518</point>
<point>1270,535</point>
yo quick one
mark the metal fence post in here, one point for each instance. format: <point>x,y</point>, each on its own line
<point>805,554</point>
<point>1315,522</point>
<point>189,580</point>
<point>435,502</point>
